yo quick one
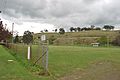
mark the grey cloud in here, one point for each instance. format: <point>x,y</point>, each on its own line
<point>89,2</point>
<point>24,7</point>
<point>64,12</point>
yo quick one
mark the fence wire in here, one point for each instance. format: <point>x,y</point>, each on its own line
<point>22,51</point>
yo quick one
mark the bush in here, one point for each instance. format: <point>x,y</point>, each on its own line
<point>116,41</point>
<point>51,39</point>
<point>103,40</point>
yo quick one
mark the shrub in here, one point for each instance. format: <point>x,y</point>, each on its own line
<point>51,39</point>
<point>116,41</point>
<point>103,40</point>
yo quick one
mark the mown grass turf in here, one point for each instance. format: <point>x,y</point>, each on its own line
<point>64,59</point>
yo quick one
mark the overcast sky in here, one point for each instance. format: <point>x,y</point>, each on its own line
<point>47,14</point>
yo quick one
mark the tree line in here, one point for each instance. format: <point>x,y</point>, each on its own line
<point>27,37</point>
<point>78,29</point>
<point>92,27</point>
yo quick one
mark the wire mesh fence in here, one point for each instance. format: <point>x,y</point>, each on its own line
<point>22,51</point>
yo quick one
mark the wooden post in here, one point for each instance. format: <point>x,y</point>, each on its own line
<point>107,41</point>
<point>29,53</point>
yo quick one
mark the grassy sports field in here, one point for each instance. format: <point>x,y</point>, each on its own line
<point>78,63</point>
<point>65,61</point>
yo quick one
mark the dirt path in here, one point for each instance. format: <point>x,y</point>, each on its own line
<point>102,70</point>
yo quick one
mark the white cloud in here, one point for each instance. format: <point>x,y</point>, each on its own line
<point>61,12</point>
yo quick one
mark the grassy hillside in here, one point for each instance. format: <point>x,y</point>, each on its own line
<point>13,70</point>
<point>78,38</point>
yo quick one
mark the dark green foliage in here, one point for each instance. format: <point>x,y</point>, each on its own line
<point>27,37</point>
<point>5,35</point>
<point>51,39</point>
<point>108,27</point>
<point>61,31</point>
<point>46,30</point>
<point>117,41</point>
<point>97,28</point>
<point>75,29</point>
<point>103,40</point>
<point>92,27</point>
<point>55,30</point>
<point>86,29</point>
<point>78,29</point>
<point>16,39</point>
<point>71,29</point>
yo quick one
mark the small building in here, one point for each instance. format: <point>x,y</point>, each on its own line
<point>95,44</point>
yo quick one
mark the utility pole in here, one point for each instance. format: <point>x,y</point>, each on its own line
<point>0,14</point>
<point>108,41</point>
<point>12,31</point>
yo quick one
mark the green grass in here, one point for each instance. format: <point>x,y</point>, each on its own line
<point>81,34</point>
<point>66,59</point>
<point>13,70</point>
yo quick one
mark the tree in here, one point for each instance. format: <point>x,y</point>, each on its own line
<point>16,39</point>
<point>5,34</point>
<point>92,27</point>
<point>97,28</point>
<point>61,31</point>
<point>84,29</point>
<point>108,27</point>
<point>41,31</point>
<point>71,29</point>
<point>55,30</point>
<point>27,37</point>
<point>75,29</point>
<point>112,27</point>
<point>79,29</point>
<point>46,30</point>
<point>1,31</point>
<point>88,29</point>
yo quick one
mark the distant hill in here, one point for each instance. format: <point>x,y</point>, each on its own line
<point>77,38</point>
